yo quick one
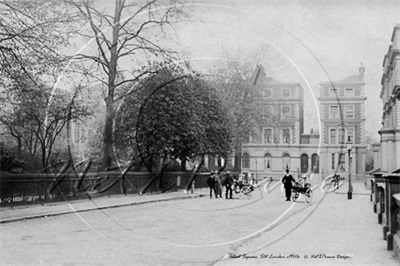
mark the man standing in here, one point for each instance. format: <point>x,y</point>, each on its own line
<point>211,185</point>
<point>218,185</point>
<point>287,182</point>
<point>335,180</point>
<point>228,185</point>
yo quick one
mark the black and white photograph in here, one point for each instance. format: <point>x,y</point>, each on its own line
<point>200,132</point>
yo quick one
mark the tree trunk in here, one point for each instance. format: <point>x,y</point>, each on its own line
<point>183,164</point>
<point>108,134</point>
<point>193,175</point>
<point>19,147</point>
<point>44,157</point>
<point>108,156</point>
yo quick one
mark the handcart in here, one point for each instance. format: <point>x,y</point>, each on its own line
<point>305,189</point>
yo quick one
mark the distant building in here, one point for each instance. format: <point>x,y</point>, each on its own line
<point>390,95</point>
<point>278,142</point>
<point>273,144</point>
<point>85,132</point>
<point>342,111</point>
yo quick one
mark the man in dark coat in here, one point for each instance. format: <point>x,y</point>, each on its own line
<point>211,184</point>
<point>287,181</point>
<point>335,180</point>
<point>228,182</point>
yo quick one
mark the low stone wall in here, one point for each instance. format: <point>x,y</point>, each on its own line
<point>17,189</point>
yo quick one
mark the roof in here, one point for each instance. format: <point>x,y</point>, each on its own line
<point>261,78</point>
<point>394,31</point>
<point>351,79</point>
<point>374,170</point>
<point>270,81</point>
<point>397,171</point>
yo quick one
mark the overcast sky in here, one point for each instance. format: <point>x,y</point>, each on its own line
<point>302,41</point>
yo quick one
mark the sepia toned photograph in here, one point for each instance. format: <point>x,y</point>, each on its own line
<point>199,132</point>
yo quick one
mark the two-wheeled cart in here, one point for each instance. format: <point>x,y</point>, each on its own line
<point>305,189</point>
<point>242,190</point>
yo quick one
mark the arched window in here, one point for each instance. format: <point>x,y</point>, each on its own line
<point>246,160</point>
<point>304,163</point>
<point>267,161</point>
<point>286,161</point>
<point>315,163</point>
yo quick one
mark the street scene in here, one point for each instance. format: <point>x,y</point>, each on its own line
<point>199,132</point>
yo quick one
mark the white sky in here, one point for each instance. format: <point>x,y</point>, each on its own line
<point>304,41</point>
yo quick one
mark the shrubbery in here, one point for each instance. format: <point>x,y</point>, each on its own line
<point>9,161</point>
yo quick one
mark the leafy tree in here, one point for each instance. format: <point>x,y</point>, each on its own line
<point>235,82</point>
<point>132,34</point>
<point>176,116</point>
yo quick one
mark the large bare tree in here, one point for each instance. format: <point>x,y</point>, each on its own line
<point>128,40</point>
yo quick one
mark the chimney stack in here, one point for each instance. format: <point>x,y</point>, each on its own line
<point>362,70</point>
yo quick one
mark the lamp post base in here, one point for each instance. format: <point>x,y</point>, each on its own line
<point>349,195</point>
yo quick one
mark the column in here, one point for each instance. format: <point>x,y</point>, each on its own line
<point>397,140</point>
<point>384,152</point>
<point>336,160</point>
<point>353,160</point>
<point>391,156</point>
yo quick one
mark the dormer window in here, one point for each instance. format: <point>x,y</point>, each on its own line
<point>332,91</point>
<point>267,93</point>
<point>286,93</point>
<point>349,91</point>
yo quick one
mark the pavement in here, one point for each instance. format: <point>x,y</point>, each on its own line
<point>332,231</point>
<point>34,211</point>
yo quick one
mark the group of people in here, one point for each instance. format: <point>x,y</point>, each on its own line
<point>215,182</point>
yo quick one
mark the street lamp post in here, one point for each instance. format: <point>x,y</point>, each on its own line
<point>350,192</point>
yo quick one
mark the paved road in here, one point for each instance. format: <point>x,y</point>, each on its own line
<point>203,231</point>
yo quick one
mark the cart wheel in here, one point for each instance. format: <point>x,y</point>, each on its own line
<point>246,192</point>
<point>295,196</point>
<point>308,194</point>
<point>236,192</point>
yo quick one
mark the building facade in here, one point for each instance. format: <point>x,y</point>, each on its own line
<point>390,95</point>
<point>274,142</point>
<point>342,112</point>
<point>278,142</point>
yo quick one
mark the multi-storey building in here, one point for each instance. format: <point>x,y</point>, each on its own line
<point>277,142</point>
<point>274,142</point>
<point>342,109</point>
<point>390,95</point>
